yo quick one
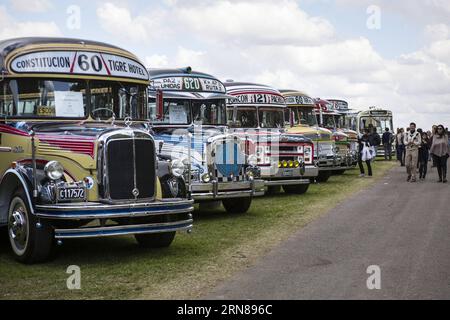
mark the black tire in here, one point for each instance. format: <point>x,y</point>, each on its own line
<point>296,189</point>
<point>273,190</point>
<point>237,205</point>
<point>323,176</point>
<point>163,240</point>
<point>339,172</point>
<point>29,244</point>
<point>155,240</point>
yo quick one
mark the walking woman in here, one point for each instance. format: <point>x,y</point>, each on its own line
<point>424,155</point>
<point>440,151</point>
<point>365,153</point>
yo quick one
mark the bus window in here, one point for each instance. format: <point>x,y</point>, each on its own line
<point>110,99</point>
<point>36,98</point>
<point>175,111</point>
<point>209,112</point>
<point>271,118</point>
<point>247,117</point>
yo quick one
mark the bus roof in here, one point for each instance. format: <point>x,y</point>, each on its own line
<point>375,113</point>
<point>297,98</point>
<point>57,57</point>
<point>246,93</point>
<point>186,83</point>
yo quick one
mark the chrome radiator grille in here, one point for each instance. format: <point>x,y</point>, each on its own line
<point>130,169</point>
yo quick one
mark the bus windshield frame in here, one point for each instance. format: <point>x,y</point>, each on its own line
<point>381,122</point>
<point>329,120</point>
<point>71,99</point>
<point>303,116</point>
<point>270,113</point>
<point>214,111</point>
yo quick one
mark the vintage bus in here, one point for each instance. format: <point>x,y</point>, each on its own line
<point>328,118</point>
<point>71,164</point>
<point>301,119</point>
<point>345,122</point>
<point>376,119</point>
<point>286,160</point>
<point>193,113</point>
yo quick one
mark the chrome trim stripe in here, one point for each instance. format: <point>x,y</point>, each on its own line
<point>124,230</point>
<point>222,195</point>
<point>286,182</point>
<point>94,206</point>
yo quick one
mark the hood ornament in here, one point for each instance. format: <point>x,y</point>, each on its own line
<point>128,121</point>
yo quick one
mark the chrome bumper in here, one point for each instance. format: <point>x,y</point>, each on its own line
<point>95,210</point>
<point>177,210</point>
<point>225,190</point>
<point>295,177</point>
<point>124,230</point>
<point>327,163</point>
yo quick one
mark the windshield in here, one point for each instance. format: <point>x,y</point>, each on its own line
<point>117,99</point>
<point>339,120</point>
<point>328,121</point>
<point>38,98</point>
<point>186,111</point>
<point>175,112</point>
<point>303,116</point>
<point>271,117</point>
<point>209,112</point>
<point>41,98</point>
<point>378,123</point>
<point>246,117</point>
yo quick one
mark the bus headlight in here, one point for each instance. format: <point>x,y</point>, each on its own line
<point>54,170</point>
<point>253,160</point>
<point>206,178</point>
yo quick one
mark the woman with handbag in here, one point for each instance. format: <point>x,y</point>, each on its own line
<point>366,153</point>
<point>440,151</point>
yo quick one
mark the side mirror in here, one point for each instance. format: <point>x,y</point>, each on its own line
<point>159,105</point>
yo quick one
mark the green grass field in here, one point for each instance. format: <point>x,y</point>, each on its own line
<point>221,244</point>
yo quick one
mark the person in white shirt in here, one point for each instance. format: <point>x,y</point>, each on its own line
<point>413,140</point>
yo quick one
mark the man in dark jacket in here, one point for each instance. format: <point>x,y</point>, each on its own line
<point>375,140</point>
<point>387,143</point>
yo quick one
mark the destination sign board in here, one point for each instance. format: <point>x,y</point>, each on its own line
<point>80,63</point>
<point>189,84</point>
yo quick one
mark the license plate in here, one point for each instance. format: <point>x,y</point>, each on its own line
<point>71,193</point>
<point>288,173</point>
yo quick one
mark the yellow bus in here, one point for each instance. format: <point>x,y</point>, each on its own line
<point>71,164</point>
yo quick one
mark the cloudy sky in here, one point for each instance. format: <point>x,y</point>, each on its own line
<point>392,54</point>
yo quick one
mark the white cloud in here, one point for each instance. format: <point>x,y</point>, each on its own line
<point>436,32</point>
<point>10,28</point>
<point>260,22</point>
<point>31,6</point>
<point>119,21</point>
<point>156,61</point>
